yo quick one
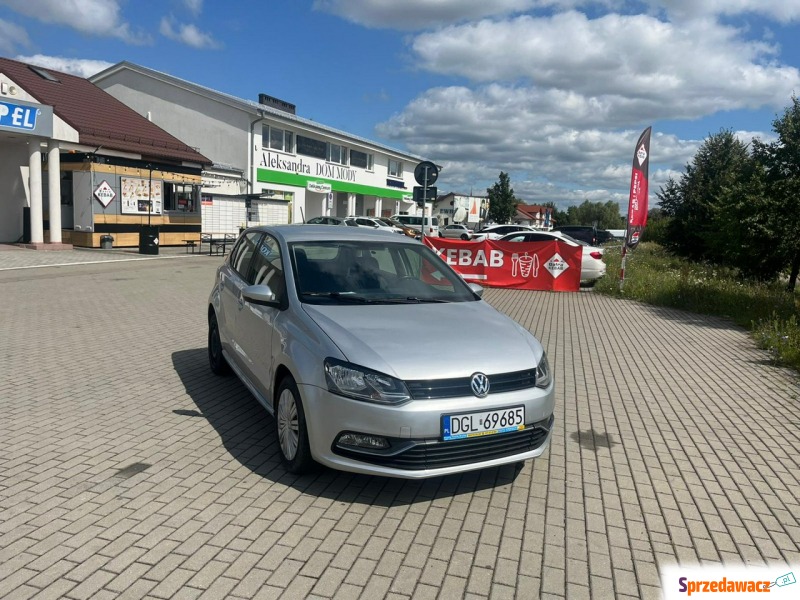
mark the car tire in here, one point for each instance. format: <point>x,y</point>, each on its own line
<point>291,429</point>
<point>464,237</point>
<point>216,360</point>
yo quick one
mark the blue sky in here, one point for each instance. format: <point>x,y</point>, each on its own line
<point>554,92</point>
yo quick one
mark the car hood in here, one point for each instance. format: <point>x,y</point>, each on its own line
<point>428,341</point>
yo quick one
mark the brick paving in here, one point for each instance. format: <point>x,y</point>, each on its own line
<point>127,470</point>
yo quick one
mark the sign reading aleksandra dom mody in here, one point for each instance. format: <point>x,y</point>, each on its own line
<point>27,118</point>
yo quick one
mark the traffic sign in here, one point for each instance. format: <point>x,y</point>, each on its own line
<point>424,168</point>
<point>420,197</point>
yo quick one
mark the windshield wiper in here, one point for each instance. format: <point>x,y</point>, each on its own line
<point>413,300</point>
<point>349,297</point>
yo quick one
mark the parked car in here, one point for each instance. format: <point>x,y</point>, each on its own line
<point>495,232</point>
<point>373,223</point>
<point>455,231</point>
<point>315,322</point>
<point>592,265</point>
<point>604,236</point>
<point>407,230</point>
<point>587,234</point>
<point>332,221</point>
<point>415,222</point>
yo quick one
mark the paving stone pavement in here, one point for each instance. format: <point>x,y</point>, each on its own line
<point>127,470</point>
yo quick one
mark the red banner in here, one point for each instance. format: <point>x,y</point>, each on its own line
<point>637,201</point>
<point>551,266</point>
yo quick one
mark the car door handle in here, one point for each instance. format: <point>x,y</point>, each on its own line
<point>241,302</point>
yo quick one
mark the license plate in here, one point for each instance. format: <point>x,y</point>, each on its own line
<point>487,422</point>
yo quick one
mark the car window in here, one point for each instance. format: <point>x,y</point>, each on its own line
<point>267,268</point>
<point>369,272</point>
<point>516,238</point>
<point>243,251</point>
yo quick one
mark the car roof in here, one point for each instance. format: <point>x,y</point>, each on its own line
<point>553,234</point>
<point>300,232</point>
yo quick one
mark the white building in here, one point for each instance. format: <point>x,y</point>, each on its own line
<point>270,166</point>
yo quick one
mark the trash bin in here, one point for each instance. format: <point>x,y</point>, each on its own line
<point>148,239</point>
<point>106,242</point>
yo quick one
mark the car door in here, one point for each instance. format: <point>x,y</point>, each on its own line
<point>232,282</point>
<point>258,320</point>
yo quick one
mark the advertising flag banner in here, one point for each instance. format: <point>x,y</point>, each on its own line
<point>550,266</point>
<point>637,203</point>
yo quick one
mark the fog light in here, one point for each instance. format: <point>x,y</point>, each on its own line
<point>362,440</point>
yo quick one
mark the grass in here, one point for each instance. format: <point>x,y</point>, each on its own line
<point>654,276</point>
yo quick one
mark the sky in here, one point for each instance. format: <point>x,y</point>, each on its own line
<point>553,92</point>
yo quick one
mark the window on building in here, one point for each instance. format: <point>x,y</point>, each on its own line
<point>180,197</point>
<point>395,168</point>
<point>337,154</point>
<point>276,138</point>
<point>361,159</point>
<point>310,147</point>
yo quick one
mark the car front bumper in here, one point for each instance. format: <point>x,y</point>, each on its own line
<point>414,432</point>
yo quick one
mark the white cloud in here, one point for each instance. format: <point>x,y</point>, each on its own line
<point>194,6</point>
<point>422,14</point>
<point>783,11</point>
<point>187,34</point>
<point>81,67</point>
<point>94,17</point>
<point>554,145</point>
<point>11,37</point>
<point>634,64</point>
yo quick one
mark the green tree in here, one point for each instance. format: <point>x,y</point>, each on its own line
<point>780,212</point>
<point>601,215</point>
<point>502,202</point>
<point>699,202</point>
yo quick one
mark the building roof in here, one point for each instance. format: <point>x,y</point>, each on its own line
<point>98,117</point>
<point>531,210</point>
<point>248,106</point>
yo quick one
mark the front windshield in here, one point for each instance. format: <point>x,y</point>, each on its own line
<point>373,272</point>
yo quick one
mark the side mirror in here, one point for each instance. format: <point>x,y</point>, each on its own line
<point>259,294</point>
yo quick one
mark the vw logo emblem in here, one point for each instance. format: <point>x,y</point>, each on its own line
<point>480,385</point>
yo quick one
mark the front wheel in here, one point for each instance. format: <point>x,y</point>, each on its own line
<point>291,429</point>
<point>216,360</point>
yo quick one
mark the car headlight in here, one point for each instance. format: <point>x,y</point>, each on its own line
<point>543,376</point>
<point>353,381</point>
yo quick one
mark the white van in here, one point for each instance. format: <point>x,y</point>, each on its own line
<point>415,222</point>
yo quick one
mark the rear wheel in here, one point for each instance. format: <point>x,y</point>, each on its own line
<point>464,237</point>
<point>291,429</point>
<point>216,360</point>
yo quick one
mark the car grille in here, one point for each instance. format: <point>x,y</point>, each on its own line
<point>430,389</point>
<point>436,454</point>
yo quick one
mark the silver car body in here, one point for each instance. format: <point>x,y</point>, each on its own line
<point>456,231</point>
<point>414,342</point>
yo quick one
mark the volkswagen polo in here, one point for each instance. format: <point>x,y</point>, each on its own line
<point>374,356</point>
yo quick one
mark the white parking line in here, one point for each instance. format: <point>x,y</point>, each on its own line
<point>90,262</point>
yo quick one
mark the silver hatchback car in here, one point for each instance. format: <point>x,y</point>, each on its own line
<point>346,336</point>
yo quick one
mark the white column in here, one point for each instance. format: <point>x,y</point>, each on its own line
<point>35,187</point>
<point>351,204</point>
<point>378,206</point>
<point>54,190</point>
